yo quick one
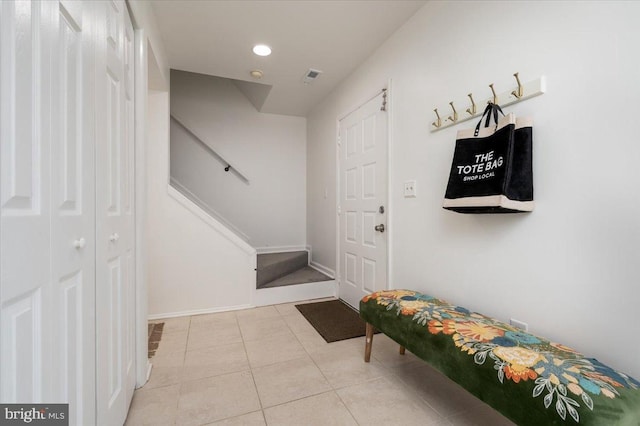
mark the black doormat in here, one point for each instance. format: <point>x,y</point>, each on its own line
<point>334,320</point>
<point>155,334</point>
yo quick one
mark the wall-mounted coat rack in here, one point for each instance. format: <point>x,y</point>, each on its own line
<point>514,95</point>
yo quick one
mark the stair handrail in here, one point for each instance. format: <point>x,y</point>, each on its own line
<point>229,167</point>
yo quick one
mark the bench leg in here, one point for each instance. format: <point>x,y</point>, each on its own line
<point>401,350</point>
<point>368,343</point>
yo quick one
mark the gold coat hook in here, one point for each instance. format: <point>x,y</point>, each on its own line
<point>453,117</point>
<point>471,110</point>
<point>495,97</point>
<point>438,122</point>
<point>520,91</point>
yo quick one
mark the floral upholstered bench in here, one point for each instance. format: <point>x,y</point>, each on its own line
<point>528,379</point>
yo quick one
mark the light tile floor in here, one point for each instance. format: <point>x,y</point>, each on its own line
<point>268,366</point>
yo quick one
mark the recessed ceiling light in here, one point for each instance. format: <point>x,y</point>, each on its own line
<point>257,74</point>
<point>262,50</point>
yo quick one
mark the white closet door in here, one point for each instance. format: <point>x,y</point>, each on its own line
<point>114,215</point>
<point>66,256</point>
<point>25,252</point>
<point>47,343</point>
<point>73,211</point>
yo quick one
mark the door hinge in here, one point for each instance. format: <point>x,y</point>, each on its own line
<point>339,210</point>
<point>339,141</point>
<point>384,100</point>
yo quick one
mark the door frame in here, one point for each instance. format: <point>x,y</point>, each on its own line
<point>390,191</point>
<point>140,78</point>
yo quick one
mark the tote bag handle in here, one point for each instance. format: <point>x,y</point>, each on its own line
<point>491,108</point>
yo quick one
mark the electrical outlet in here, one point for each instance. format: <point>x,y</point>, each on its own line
<point>519,324</point>
<point>410,189</point>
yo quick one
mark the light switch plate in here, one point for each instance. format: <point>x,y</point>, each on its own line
<point>410,189</point>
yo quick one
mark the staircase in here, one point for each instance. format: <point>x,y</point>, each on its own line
<point>289,268</point>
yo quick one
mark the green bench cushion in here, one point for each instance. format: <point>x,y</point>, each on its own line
<point>527,378</point>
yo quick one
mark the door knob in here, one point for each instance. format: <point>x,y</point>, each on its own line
<point>114,237</point>
<point>79,243</point>
<point>379,228</point>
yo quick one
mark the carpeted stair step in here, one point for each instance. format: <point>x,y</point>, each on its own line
<point>272,266</point>
<point>301,276</point>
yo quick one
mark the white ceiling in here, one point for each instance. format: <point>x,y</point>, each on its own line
<point>334,36</point>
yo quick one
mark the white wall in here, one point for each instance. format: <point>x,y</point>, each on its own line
<point>270,149</point>
<point>191,267</point>
<point>571,269</point>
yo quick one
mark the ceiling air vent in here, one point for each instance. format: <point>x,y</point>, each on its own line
<point>311,75</point>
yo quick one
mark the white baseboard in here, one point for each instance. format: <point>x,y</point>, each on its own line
<point>294,293</point>
<point>323,269</point>
<point>280,249</point>
<point>197,312</point>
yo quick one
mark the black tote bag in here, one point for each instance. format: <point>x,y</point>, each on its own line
<point>492,168</point>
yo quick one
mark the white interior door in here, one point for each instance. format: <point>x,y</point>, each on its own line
<point>73,211</point>
<point>47,344</point>
<point>362,209</point>
<point>115,294</point>
<point>66,256</point>
<point>25,290</point>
